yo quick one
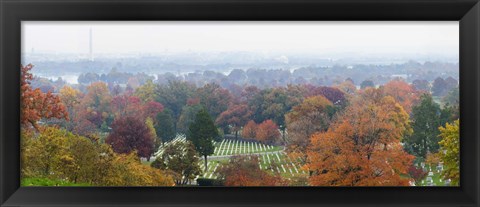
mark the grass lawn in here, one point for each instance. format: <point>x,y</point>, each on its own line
<point>48,182</point>
<point>147,162</point>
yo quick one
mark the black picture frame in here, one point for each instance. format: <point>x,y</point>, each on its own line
<point>12,12</point>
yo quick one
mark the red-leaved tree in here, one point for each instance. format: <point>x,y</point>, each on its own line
<point>250,130</point>
<point>236,116</point>
<point>267,132</point>
<point>129,134</point>
<point>36,105</point>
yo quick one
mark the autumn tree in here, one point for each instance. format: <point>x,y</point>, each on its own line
<point>129,105</point>
<point>268,133</point>
<point>165,126</point>
<point>334,95</point>
<point>150,125</point>
<point>57,154</point>
<point>71,99</point>
<point>249,93</point>
<point>214,98</point>
<point>236,116</point>
<point>146,92</point>
<point>404,93</point>
<point>417,173</point>
<point>126,105</point>
<point>36,105</point>
<point>249,131</point>
<point>98,96</point>
<point>150,110</point>
<point>96,105</point>
<point>44,154</point>
<point>362,148</point>
<point>242,171</point>
<point>271,104</point>
<point>202,132</point>
<point>131,134</point>
<point>180,158</point>
<point>296,94</point>
<point>311,116</point>
<point>347,87</point>
<point>427,116</point>
<point>60,155</point>
<point>127,170</point>
<point>450,151</point>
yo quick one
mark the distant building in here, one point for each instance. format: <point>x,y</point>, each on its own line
<point>91,45</point>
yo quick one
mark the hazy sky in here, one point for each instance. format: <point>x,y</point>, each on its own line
<point>312,37</point>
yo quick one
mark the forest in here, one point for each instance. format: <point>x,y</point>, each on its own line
<point>248,128</point>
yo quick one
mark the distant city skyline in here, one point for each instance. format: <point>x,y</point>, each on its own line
<point>436,38</point>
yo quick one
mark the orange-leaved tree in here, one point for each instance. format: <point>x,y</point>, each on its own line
<point>267,132</point>
<point>313,115</point>
<point>250,130</point>
<point>36,105</point>
<point>362,148</point>
<point>405,94</point>
<point>244,171</point>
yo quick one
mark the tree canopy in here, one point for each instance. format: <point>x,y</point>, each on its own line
<point>202,132</point>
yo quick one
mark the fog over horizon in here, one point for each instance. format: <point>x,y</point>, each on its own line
<point>69,48</point>
<point>336,39</point>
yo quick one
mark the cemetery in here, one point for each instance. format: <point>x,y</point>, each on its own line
<point>271,158</point>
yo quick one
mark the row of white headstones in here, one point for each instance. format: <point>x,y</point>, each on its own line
<point>178,138</point>
<point>230,147</point>
<point>266,160</point>
<point>233,147</point>
<point>227,147</point>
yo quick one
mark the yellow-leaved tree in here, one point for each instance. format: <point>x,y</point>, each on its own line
<point>57,154</point>
<point>450,151</point>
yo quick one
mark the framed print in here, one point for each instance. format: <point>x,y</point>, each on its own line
<point>159,103</point>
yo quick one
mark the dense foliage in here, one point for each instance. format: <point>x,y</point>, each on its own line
<point>321,131</point>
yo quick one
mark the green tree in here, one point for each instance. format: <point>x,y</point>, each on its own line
<point>427,116</point>
<point>187,117</point>
<point>201,133</point>
<point>272,104</point>
<point>450,151</point>
<point>165,127</point>
<point>453,97</point>
<point>174,96</point>
<point>367,83</point>
<point>182,159</point>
